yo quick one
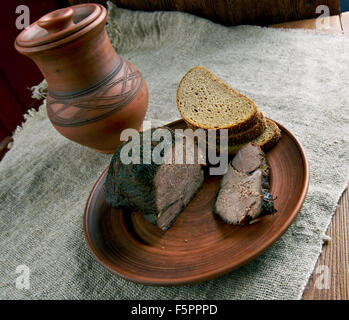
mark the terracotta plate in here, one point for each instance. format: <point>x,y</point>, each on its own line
<point>199,245</point>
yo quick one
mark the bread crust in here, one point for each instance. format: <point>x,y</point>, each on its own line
<point>274,140</point>
<point>232,130</point>
<point>248,135</point>
<point>267,145</point>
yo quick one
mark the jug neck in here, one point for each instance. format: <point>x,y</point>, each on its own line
<point>71,47</point>
<point>79,64</point>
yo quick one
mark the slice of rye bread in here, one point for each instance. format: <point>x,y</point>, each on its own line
<point>270,136</point>
<point>266,140</point>
<point>247,135</point>
<point>231,131</point>
<point>244,136</point>
<point>159,190</point>
<point>204,101</point>
<point>243,192</point>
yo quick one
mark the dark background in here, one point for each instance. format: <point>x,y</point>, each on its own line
<point>344,5</point>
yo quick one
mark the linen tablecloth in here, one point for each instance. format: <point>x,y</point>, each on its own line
<point>299,78</point>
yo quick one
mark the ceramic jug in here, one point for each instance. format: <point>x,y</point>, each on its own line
<point>93,93</point>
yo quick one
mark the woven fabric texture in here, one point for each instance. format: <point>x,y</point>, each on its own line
<point>298,78</point>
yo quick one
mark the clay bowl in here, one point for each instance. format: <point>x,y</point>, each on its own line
<point>199,246</point>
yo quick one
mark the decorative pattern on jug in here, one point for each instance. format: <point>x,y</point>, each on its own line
<point>97,102</point>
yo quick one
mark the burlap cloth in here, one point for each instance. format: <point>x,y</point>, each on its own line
<point>298,78</point>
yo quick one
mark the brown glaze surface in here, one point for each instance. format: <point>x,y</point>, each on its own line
<point>56,25</point>
<point>97,118</point>
<point>93,94</point>
<point>57,21</point>
<point>199,245</point>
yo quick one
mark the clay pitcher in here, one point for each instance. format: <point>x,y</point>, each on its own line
<point>93,93</point>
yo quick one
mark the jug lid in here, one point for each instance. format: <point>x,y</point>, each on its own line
<point>59,24</point>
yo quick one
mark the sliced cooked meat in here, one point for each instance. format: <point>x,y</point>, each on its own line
<point>240,196</point>
<point>158,191</point>
<point>175,186</point>
<point>243,194</point>
<point>248,159</point>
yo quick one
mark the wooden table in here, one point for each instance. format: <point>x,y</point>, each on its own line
<point>334,259</point>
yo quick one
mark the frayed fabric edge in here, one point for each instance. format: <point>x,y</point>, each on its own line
<point>31,113</point>
<point>39,91</point>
